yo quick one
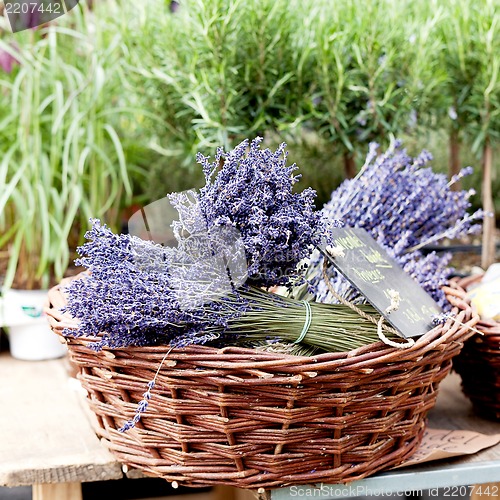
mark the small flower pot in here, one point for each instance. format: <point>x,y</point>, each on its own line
<point>30,337</point>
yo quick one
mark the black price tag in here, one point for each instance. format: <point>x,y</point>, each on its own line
<point>378,277</point>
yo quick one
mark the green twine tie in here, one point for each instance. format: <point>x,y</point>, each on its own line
<point>307,323</point>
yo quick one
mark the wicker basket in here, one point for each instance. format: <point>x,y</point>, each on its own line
<point>479,365</point>
<point>255,419</point>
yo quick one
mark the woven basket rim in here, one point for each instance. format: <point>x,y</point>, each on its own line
<point>457,329</point>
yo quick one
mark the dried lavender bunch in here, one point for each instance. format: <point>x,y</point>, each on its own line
<point>405,206</point>
<point>252,189</point>
<point>131,295</point>
<point>139,293</point>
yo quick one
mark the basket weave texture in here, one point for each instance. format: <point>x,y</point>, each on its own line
<point>479,365</point>
<point>254,419</point>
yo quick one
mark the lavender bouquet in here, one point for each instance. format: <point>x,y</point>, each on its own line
<point>405,205</point>
<point>253,192</point>
<point>140,293</point>
<point>131,298</point>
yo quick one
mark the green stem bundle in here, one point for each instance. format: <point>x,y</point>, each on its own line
<point>333,327</point>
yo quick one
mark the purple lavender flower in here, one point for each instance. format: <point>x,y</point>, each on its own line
<point>405,206</point>
<point>142,406</point>
<point>463,173</point>
<point>252,190</point>
<point>131,296</point>
<point>440,319</point>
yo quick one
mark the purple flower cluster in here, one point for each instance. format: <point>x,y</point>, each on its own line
<point>132,294</point>
<point>141,408</point>
<point>404,205</point>
<point>251,189</point>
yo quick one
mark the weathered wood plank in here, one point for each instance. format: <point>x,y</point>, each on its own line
<point>45,436</point>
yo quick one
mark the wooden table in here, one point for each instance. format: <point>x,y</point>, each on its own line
<point>46,439</point>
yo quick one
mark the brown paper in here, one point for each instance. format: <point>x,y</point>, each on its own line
<point>443,443</point>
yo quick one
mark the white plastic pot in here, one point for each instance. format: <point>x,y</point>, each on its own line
<point>30,336</point>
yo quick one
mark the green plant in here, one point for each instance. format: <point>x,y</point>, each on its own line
<point>357,84</point>
<point>61,156</point>
<point>216,72</point>
<point>472,61</point>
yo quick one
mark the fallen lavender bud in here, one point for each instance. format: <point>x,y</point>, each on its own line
<point>141,408</point>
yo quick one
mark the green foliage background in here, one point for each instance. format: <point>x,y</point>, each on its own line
<point>110,104</point>
<point>327,77</point>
